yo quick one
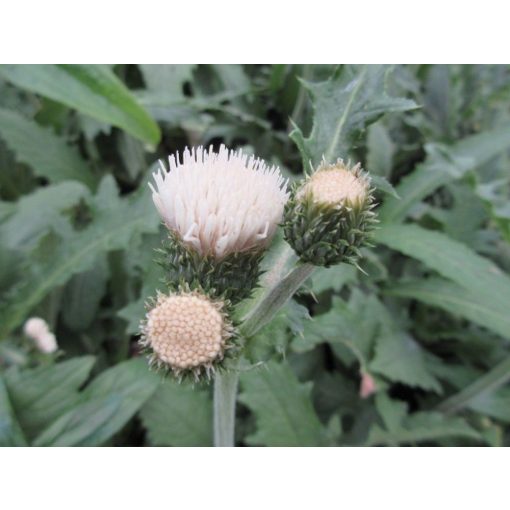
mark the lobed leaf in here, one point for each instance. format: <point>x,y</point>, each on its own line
<point>282,406</point>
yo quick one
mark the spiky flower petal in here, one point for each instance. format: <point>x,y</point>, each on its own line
<point>220,203</point>
<point>186,333</point>
<point>329,217</point>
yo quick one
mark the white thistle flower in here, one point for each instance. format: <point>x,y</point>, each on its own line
<point>220,203</point>
<point>38,330</point>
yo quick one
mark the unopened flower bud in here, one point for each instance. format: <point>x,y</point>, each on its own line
<point>367,386</point>
<point>35,327</point>
<point>186,333</point>
<point>38,330</point>
<point>46,343</point>
<point>329,216</point>
<point>221,210</point>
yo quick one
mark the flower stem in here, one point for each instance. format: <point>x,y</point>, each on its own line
<point>274,298</point>
<point>225,391</point>
<point>279,285</point>
<point>490,381</point>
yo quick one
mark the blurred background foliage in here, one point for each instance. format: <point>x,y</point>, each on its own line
<point>427,326</point>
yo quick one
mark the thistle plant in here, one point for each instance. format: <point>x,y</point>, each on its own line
<point>221,210</point>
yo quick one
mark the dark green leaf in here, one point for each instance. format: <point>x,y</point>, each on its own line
<point>10,431</point>
<point>91,89</point>
<point>117,222</point>
<point>42,395</point>
<point>343,105</point>
<point>46,153</point>
<point>282,406</point>
<point>178,415</point>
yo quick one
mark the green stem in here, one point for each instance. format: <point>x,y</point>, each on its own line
<point>273,298</point>
<point>225,390</point>
<point>492,380</point>
<point>279,285</point>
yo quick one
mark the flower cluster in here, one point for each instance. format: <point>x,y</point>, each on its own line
<point>221,210</point>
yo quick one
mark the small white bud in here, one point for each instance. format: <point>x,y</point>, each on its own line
<point>35,327</point>
<point>46,343</point>
<point>38,330</point>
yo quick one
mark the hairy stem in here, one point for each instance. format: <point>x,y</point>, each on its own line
<point>492,380</point>
<point>274,298</point>
<point>225,391</point>
<point>278,286</point>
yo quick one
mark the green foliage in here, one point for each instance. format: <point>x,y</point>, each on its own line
<point>10,431</point>
<point>178,415</point>
<point>46,153</point>
<point>39,396</point>
<point>343,106</point>
<point>91,89</point>
<point>282,407</point>
<point>482,291</point>
<point>116,223</point>
<point>427,320</point>
<point>416,428</point>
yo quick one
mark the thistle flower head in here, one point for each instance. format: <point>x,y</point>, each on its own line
<point>220,203</point>
<point>329,217</point>
<point>186,332</point>
<point>337,184</point>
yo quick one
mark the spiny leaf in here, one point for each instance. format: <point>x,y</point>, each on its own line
<point>46,153</point>
<point>401,428</point>
<point>33,215</point>
<point>178,415</point>
<point>116,223</point>
<point>343,105</point>
<point>282,406</point>
<point>400,359</point>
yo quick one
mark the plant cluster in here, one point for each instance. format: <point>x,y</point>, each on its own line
<point>338,338</point>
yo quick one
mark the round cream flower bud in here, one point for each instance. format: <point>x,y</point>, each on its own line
<point>46,343</point>
<point>186,332</point>
<point>38,330</point>
<point>337,184</point>
<point>35,327</point>
<point>330,215</point>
